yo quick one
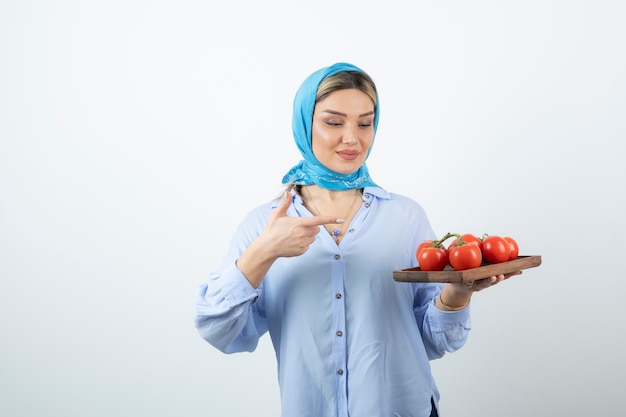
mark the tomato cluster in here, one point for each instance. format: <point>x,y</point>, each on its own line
<point>466,251</point>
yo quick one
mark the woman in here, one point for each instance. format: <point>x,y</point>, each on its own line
<point>314,268</point>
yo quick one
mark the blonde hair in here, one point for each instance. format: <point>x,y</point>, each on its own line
<point>345,80</point>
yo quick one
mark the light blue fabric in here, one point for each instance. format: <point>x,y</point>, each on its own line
<point>349,340</point>
<point>310,170</point>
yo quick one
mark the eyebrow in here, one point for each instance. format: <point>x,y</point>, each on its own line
<point>345,115</point>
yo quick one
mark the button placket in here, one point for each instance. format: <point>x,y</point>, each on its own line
<point>339,317</point>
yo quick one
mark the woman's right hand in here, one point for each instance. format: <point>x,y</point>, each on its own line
<point>292,236</point>
<point>283,236</point>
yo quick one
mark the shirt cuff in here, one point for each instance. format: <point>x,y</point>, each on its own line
<point>445,320</point>
<point>235,287</point>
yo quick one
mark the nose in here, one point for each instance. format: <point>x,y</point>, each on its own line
<point>350,136</point>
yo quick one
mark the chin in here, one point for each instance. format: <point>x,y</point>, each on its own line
<point>347,167</point>
<point>345,171</point>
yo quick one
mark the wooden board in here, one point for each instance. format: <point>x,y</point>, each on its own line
<point>450,275</point>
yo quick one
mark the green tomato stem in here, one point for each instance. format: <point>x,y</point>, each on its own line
<point>446,237</point>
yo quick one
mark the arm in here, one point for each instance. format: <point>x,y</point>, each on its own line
<point>442,331</point>
<point>445,319</point>
<point>229,307</point>
<point>228,312</point>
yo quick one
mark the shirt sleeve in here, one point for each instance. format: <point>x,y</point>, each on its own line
<point>228,312</point>
<point>442,331</point>
<point>225,312</point>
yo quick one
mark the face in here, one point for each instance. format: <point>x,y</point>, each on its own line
<point>343,130</point>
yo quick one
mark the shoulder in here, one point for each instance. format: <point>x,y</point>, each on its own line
<point>404,213</point>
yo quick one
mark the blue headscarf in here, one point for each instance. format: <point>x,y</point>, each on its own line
<point>310,170</point>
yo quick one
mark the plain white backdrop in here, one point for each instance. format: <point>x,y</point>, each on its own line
<point>135,135</point>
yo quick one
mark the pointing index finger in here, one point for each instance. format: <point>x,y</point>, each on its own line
<point>321,220</point>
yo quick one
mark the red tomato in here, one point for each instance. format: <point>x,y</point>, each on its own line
<point>432,259</point>
<point>465,256</point>
<point>424,244</point>
<point>470,238</point>
<point>496,249</point>
<point>467,238</point>
<point>513,246</point>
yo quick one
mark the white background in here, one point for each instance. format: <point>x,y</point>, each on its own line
<point>134,136</point>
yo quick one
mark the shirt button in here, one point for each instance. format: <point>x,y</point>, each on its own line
<point>337,257</point>
<point>351,230</point>
<point>367,205</point>
<point>366,196</point>
<point>338,296</point>
<point>340,372</point>
<point>339,333</point>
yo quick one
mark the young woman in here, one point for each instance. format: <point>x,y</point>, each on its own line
<point>314,269</point>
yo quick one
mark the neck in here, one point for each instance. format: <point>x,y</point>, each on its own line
<point>316,193</point>
<point>323,202</point>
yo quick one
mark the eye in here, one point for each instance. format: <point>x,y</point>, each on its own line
<point>333,122</point>
<point>366,124</point>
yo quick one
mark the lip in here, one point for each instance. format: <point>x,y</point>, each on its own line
<point>348,155</point>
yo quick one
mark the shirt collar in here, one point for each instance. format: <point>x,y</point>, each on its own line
<point>372,191</point>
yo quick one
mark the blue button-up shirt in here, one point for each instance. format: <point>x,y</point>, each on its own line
<point>349,340</point>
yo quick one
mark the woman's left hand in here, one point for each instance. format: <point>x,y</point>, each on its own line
<point>481,284</point>
<point>458,294</point>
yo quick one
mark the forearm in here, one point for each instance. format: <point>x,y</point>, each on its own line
<point>223,309</point>
<point>453,297</point>
<point>457,296</point>
<point>444,330</point>
<point>256,260</point>
<point>233,331</point>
